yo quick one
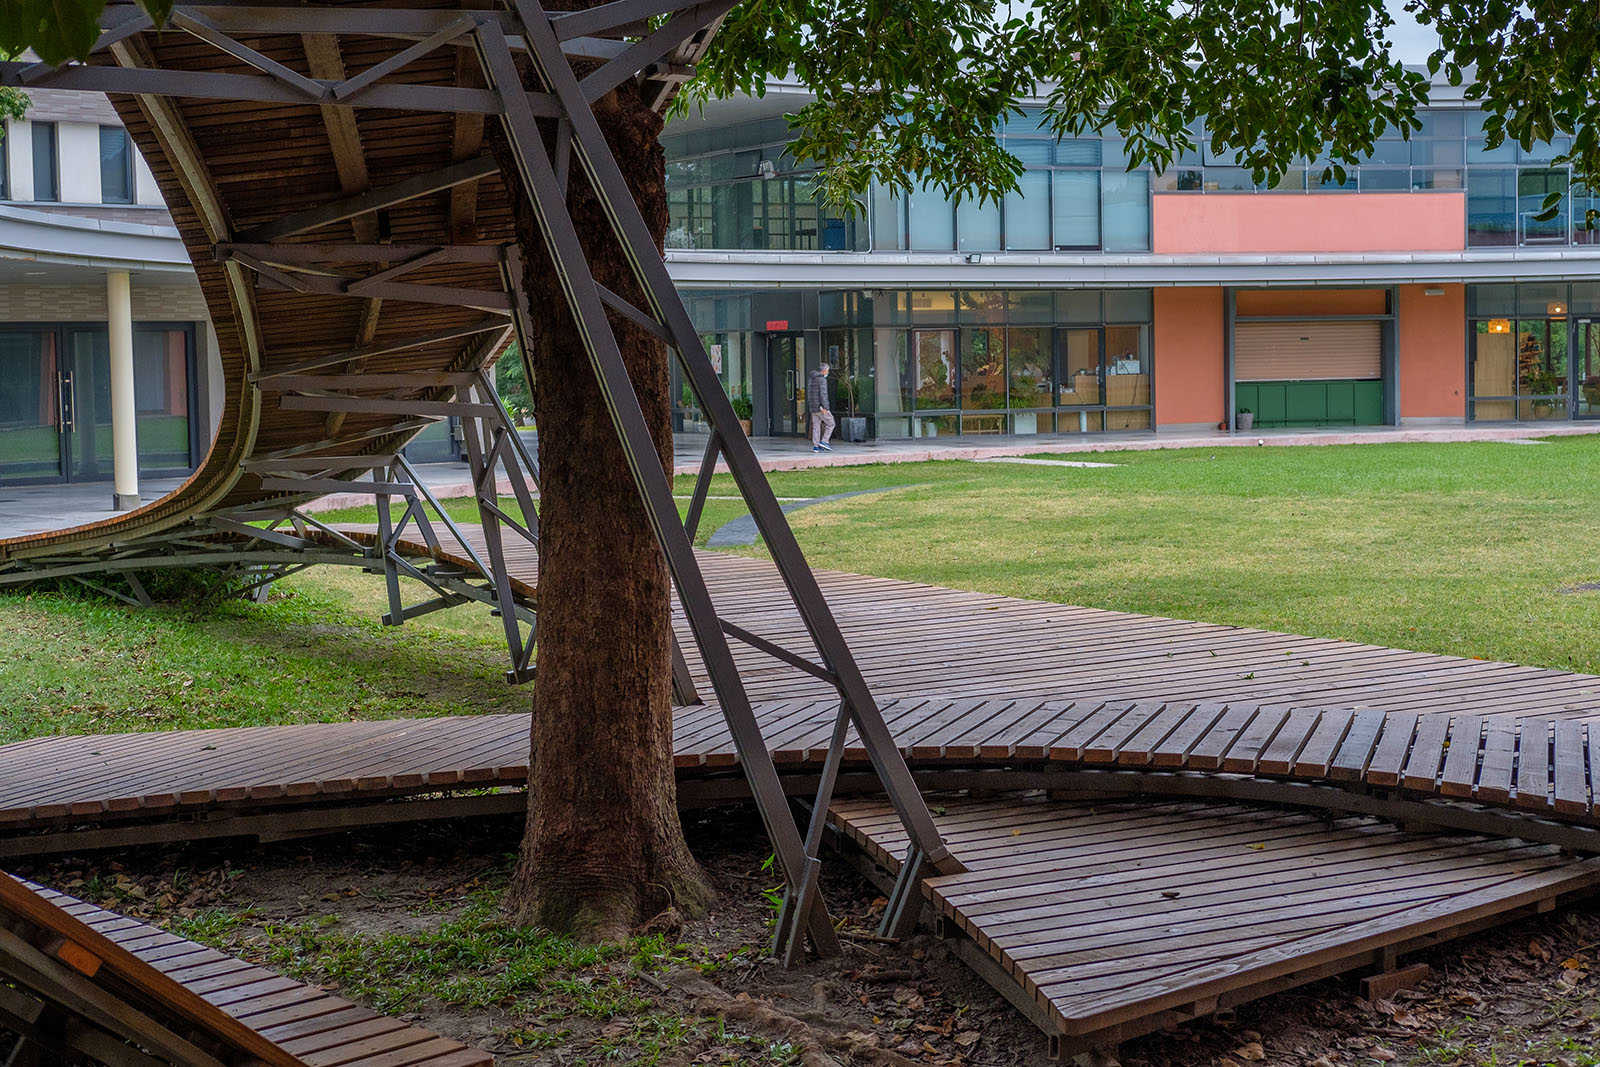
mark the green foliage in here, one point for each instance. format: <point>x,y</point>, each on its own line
<point>58,30</point>
<point>914,89</point>
<point>511,382</point>
<point>743,408</point>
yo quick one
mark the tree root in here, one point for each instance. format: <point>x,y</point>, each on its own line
<point>820,1040</point>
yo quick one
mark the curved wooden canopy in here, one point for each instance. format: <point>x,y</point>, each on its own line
<point>330,234</point>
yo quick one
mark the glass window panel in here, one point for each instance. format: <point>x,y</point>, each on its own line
<point>1127,211</point>
<point>1585,227</point>
<point>116,166</point>
<point>1389,151</point>
<point>30,437</point>
<point>933,305</point>
<point>1030,305</point>
<point>983,305</point>
<point>1321,179</point>
<point>1127,305</point>
<point>1190,181</point>
<point>161,397</point>
<point>1534,186</point>
<point>1585,298</point>
<point>1543,299</point>
<point>893,375</point>
<point>1229,180</point>
<point>1078,305</point>
<point>1034,121</point>
<point>978,226</point>
<point>1437,178</point>
<point>1293,180</point>
<point>1434,153</point>
<point>1377,179</point>
<point>1488,300</point>
<point>1078,152</point>
<point>1028,212</point>
<point>888,231</point>
<point>1113,154</point>
<point>1032,153</point>
<point>44,162</point>
<point>934,367</point>
<point>1028,362</point>
<point>1442,124</point>
<point>1078,377</point>
<point>983,369</point>
<point>1491,206</point>
<point>1543,152</point>
<point>1076,209</point>
<point>932,222</point>
<point>1478,151</point>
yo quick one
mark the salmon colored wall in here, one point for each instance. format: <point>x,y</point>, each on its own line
<point>1328,222</point>
<point>1188,356</point>
<point>1433,361</point>
<point>1312,302</point>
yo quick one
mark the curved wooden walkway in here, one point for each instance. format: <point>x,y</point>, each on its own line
<point>1204,750</point>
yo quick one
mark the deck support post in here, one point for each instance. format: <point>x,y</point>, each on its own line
<point>543,180</point>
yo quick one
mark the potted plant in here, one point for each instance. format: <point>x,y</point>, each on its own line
<point>853,424</point>
<point>1245,419</point>
<point>1540,382</point>
<point>743,409</point>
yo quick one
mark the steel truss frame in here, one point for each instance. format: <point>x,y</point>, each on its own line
<point>654,41</point>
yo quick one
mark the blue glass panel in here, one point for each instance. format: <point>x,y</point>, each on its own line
<point>932,222</point>
<point>1127,211</point>
<point>1028,212</point>
<point>977,226</point>
<point>1080,152</point>
<point>1491,206</point>
<point>1076,210</point>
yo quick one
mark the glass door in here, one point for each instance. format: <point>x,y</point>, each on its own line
<point>86,396</point>
<point>786,384</point>
<point>1080,379</point>
<point>31,414</point>
<point>1586,369</point>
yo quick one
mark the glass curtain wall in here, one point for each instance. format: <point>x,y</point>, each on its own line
<point>1078,194</point>
<point>1534,351</point>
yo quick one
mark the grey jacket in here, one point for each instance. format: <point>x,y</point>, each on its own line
<point>817,392</point>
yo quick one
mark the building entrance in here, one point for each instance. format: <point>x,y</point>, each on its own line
<point>786,384</point>
<point>55,403</point>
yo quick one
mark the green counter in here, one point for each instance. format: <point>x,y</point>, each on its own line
<point>1332,403</point>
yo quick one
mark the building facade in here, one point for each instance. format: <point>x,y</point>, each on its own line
<point>95,282</point>
<point>1422,288</point>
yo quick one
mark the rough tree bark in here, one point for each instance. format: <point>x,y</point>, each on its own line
<point>604,849</point>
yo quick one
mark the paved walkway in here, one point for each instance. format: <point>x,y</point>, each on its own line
<point>35,509</point>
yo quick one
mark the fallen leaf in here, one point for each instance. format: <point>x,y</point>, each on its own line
<point>966,1038</point>
<point>1256,848</point>
<point>1381,1053</point>
<point>1251,1051</point>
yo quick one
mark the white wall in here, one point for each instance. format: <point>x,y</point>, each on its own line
<point>144,183</point>
<point>19,159</point>
<point>78,149</point>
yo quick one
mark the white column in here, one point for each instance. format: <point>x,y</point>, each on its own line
<point>124,439</point>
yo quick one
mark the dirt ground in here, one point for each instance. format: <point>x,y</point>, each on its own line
<point>361,914</point>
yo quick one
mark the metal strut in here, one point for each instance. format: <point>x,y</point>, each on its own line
<point>588,301</point>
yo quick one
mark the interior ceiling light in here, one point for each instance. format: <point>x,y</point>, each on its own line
<point>1499,325</point>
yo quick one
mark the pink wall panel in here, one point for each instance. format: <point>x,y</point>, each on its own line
<point>1433,361</point>
<point>1189,223</point>
<point>1188,356</point>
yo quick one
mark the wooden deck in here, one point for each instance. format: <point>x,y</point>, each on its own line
<point>1194,742</point>
<point>913,639</point>
<point>130,981</point>
<point>1105,922</point>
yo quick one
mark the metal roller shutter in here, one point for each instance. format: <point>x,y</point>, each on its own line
<point>1307,351</point>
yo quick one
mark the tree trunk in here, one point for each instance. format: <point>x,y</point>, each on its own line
<point>604,849</point>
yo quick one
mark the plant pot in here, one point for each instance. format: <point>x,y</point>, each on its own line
<point>853,427</point>
<point>1245,420</point>
<point>744,424</point>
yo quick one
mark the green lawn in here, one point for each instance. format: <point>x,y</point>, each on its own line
<point>1468,549</point>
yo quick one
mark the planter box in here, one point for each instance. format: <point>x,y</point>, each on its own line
<point>1245,420</point>
<point>853,428</point>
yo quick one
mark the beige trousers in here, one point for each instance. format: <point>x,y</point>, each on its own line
<point>821,426</point>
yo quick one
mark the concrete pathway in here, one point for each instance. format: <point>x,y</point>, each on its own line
<point>35,509</point>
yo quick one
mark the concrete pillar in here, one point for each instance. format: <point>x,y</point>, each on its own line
<point>124,438</point>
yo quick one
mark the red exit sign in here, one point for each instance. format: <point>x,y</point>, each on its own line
<point>774,325</point>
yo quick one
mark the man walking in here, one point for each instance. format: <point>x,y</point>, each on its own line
<point>819,409</point>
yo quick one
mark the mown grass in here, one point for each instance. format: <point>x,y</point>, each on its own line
<point>1465,549</point>
<point>1468,549</point>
